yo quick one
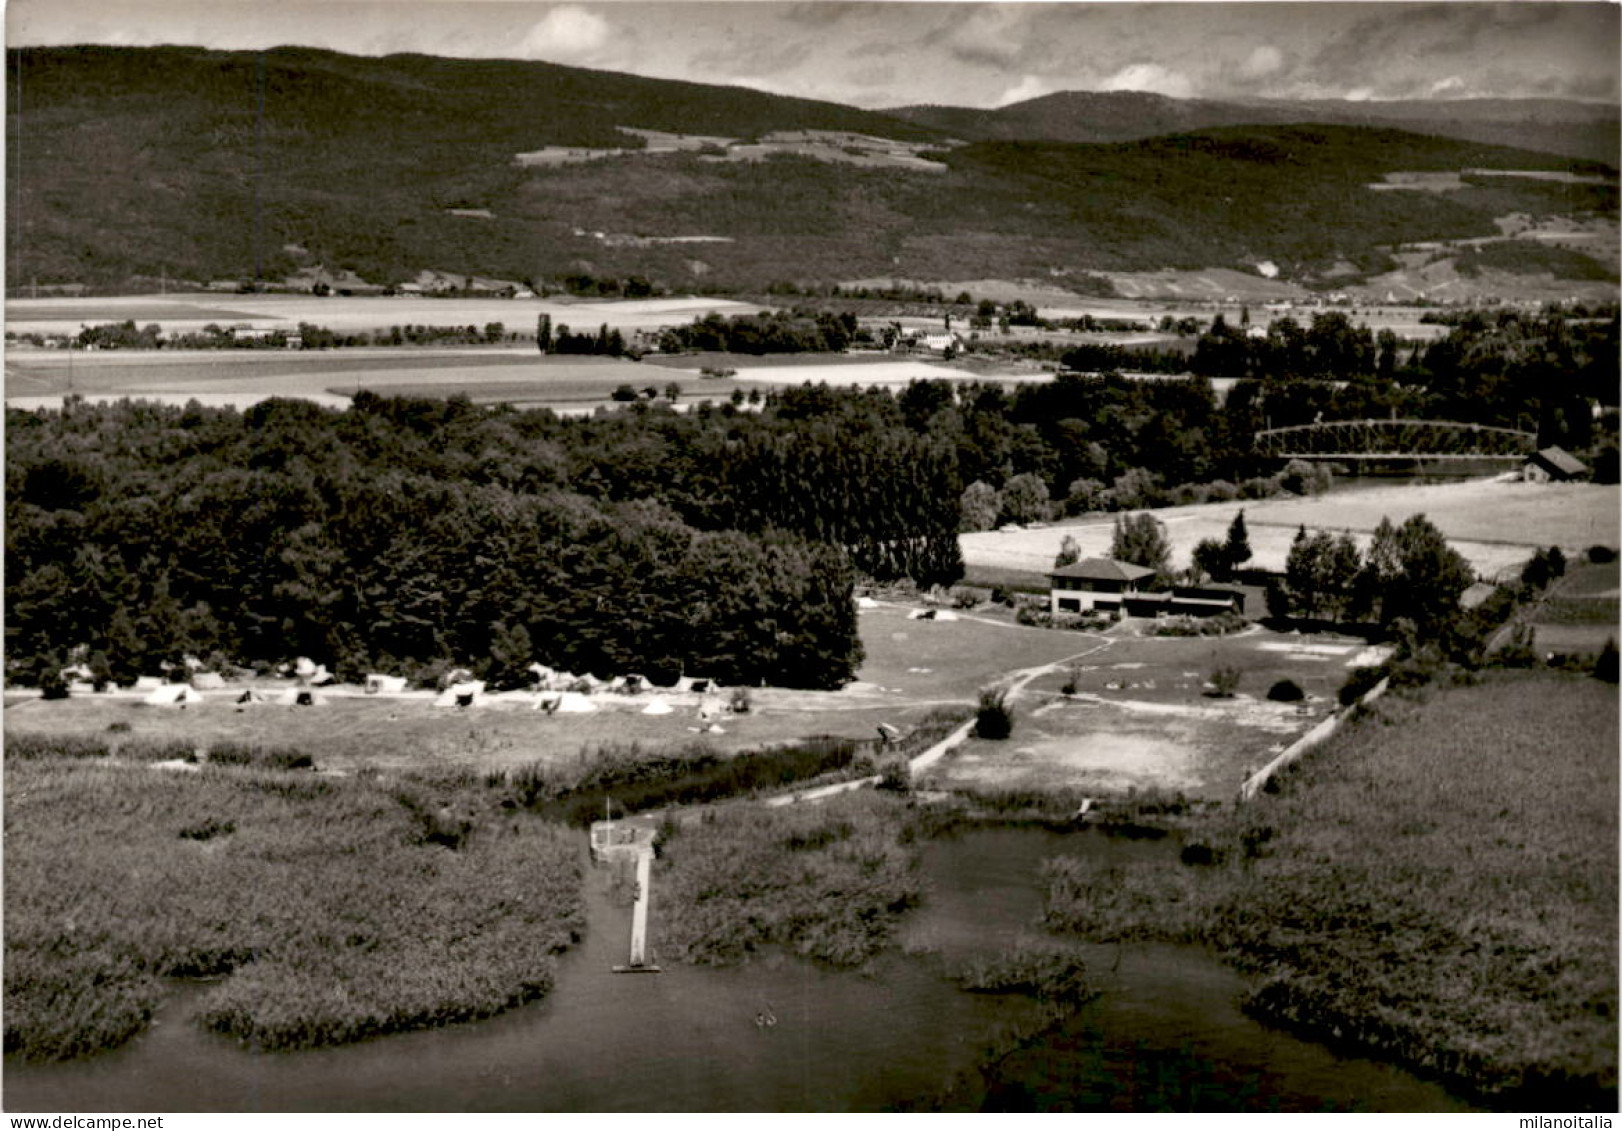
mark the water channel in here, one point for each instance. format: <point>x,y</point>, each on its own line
<point>1165,1034</point>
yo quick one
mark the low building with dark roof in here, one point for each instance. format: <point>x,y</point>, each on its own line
<point>1100,584</point>
<point>1554,465</point>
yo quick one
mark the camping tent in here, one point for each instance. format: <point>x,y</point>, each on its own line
<point>148,683</point>
<point>657,707</point>
<point>304,667</point>
<point>321,677</point>
<point>173,695</point>
<point>462,695</point>
<point>249,696</point>
<point>866,603</point>
<point>385,684</point>
<point>207,681</point>
<point>301,697</point>
<point>574,703</point>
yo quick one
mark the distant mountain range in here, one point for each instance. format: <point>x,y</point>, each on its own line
<point>131,165</point>
<point>1572,129</point>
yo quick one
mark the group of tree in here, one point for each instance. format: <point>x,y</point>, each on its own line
<point>1543,373</point>
<point>606,342</point>
<point>1408,572</point>
<point>403,533</point>
<point>781,331</point>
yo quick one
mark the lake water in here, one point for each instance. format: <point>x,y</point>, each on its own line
<point>1165,1033</point>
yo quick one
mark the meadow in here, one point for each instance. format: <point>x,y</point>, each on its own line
<point>1437,886</point>
<point>324,909</point>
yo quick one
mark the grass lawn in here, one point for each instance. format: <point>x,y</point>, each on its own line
<point>1583,612</point>
<point>953,660</point>
<point>1438,884</point>
<point>1140,718</point>
<point>332,908</point>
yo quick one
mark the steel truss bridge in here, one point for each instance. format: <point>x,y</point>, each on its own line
<point>1395,439</point>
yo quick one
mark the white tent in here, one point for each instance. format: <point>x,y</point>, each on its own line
<point>173,695</point>
<point>207,681</point>
<point>657,707</point>
<point>321,677</point>
<point>945,614</point>
<point>249,695</point>
<point>866,603</point>
<point>301,697</point>
<point>148,683</point>
<point>574,703</point>
<point>304,667</point>
<point>462,695</point>
<point>385,684</point>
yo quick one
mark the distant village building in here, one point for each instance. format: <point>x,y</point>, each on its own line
<point>1553,465</point>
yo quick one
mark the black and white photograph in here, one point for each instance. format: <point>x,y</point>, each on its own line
<point>747,556</point>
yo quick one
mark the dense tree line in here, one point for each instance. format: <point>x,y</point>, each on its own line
<point>779,331</point>
<point>1535,372</point>
<point>405,533</point>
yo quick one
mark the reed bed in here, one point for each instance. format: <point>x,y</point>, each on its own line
<point>329,907</point>
<point>1437,885</point>
<point>826,881</point>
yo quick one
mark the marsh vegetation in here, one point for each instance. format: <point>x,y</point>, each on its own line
<point>327,909</point>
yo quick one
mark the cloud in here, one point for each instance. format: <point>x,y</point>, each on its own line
<point>1026,89</point>
<point>996,34</point>
<point>1448,87</point>
<point>568,34</point>
<point>1151,78</point>
<point>1263,61</point>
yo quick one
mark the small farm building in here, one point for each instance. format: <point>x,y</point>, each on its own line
<point>1094,584</point>
<point>1553,465</point>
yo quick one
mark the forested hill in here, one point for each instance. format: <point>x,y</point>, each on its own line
<point>132,164</point>
<point>1573,129</point>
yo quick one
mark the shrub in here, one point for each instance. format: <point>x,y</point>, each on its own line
<point>1600,555</point>
<point>964,598</point>
<point>895,774</point>
<point>1225,680</point>
<point>1286,691</point>
<point>1605,663</point>
<point>994,718</point>
<point>1002,595</point>
<point>739,702</point>
<point>1072,681</point>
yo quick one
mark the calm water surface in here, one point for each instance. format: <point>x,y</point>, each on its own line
<point>1166,1033</point>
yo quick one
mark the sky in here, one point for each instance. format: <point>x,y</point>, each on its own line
<point>879,54</point>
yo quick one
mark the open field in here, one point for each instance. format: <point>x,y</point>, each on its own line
<point>348,315</point>
<point>1495,524</point>
<point>1437,885</point>
<point>217,378</point>
<point>912,668</point>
